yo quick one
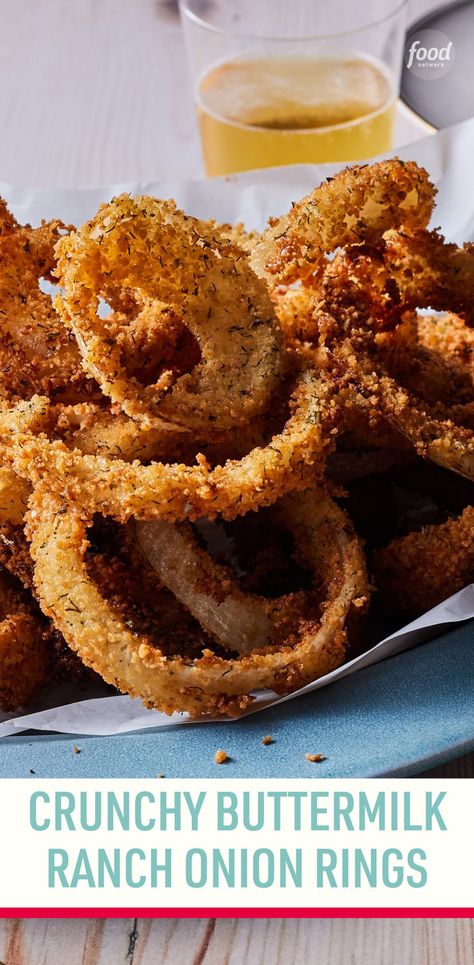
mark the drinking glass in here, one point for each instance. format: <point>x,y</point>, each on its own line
<point>293,81</point>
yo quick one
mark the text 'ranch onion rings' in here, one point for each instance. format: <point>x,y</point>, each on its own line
<point>209,683</point>
<point>359,204</point>
<point>176,492</point>
<point>144,249</point>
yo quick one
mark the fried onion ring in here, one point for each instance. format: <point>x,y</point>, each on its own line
<point>173,492</point>
<point>151,251</point>
<point>359,204</point>
<point>206,588</point>
<point>208,684</point>
<point>23,652</point>
<point>433,434</point>
<point>416,572</point>
<point>37,353</point>
<point>350,321</point>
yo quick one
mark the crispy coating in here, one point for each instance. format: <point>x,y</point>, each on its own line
<point>24,659</point>
<point>174,492</point>
<point>155,253</point>
<point>58,661</point>
<point>420,354</point>
<point>229,368</point>
<point>15,554</point>
<point>429,273</point>
<point>433,406</point>
<point>433,433</point>
<point>448,336</point>
<point>357,205</point>
<point>13,497</point>
<point>37,353</point>
<point>418,571</point>
<point>207,683</point>
<point>238,234</point>
<point>411,269</point>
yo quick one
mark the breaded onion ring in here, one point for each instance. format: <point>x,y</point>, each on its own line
<point>430,273</point>
<point>416,572</point>
<point>23,651</point>
<point>150,251</point>
<point>37,353</point>
<point>433,433</point>
<point>431,356</point>
<point>173,492</point>
<point>349,316</point>
<point>359,204</point>
<point>237,620</point>
<point>210,683</point>
<point>448,335</point>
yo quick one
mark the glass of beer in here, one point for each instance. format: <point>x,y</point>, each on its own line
<point>293,81</point>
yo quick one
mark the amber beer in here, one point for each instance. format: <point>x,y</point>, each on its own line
<point>257,113</point>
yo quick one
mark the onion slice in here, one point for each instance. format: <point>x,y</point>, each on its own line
<point>205,682</point>
<point>236,620</point>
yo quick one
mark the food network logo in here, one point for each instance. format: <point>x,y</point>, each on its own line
<point>429,54</point>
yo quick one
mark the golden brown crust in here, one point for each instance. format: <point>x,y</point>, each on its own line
<point>206,683</point>
<point>166,261</point>
<point>37,354</point>
<point>418,571</point>
<point>218,411</point>
<point>359,204</point>
<point>173,491</point>
<point>24,656</point>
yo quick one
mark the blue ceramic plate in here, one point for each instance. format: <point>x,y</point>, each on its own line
<point>398,717</point>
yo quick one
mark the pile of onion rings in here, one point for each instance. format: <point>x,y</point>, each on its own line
<point>179,474</point>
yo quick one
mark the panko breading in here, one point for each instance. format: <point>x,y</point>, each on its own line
<point>165,259</point>
<point>24,655</point>
<point>206,683</point>
<point>170,460</point>
<point>37,354</point>
<point>359,204</point>
<point>418,571</point>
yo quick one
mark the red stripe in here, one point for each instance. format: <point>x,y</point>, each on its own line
<point>236,912</point>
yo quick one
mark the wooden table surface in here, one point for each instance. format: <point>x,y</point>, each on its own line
<point>94,92</point>
<point>251,942</point>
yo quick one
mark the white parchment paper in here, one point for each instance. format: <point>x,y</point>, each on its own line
<point>252,197</point>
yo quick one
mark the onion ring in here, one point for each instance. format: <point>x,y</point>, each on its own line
<point>174,492</point>
<point>150,250</point>
<point>235,619</point>
<point>23,652</point>
<point>429,272</point>
<point>350,316</point>
<point>408,573</point>
<point>36,352</point>
<point>359,204</point>
<point>210,683</point>
<point>417,353</point>
<point>434,435</point>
